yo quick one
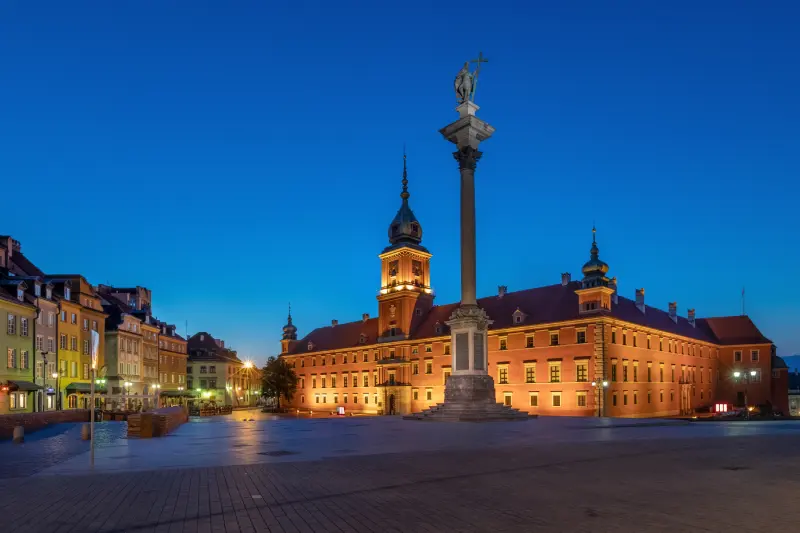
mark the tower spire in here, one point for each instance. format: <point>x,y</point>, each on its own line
<point>289,330</point>
<point>404,195</point>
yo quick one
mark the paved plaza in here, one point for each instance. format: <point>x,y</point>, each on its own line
<point>387,474</point>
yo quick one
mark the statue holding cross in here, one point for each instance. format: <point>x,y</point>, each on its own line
<point>466,82</point>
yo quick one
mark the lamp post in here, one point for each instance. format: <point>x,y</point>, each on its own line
<point>601,397</point>
<point>745,377</point>
<point>55,376</point>
<point>126,385</point>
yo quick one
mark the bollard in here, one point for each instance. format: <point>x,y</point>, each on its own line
<point>19,434</point>
<point>86,432</point>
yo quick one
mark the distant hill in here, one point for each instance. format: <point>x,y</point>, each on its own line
<point>793,361</point>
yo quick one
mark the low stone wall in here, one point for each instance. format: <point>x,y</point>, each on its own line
<point>33,421</point>
<point>156,423</point>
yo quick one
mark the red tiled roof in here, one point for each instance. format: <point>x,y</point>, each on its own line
<point>340,336</point>
<point>735,330</point>
<point>541,305</point>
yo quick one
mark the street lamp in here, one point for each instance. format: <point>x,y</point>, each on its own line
<point>601,397</point>
<point>747,377</point>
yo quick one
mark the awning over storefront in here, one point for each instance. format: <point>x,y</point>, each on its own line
<point>178,394</point>
<point>23,386</point>
<point>85,388</point>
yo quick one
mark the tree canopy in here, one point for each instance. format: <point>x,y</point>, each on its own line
<point>278,380</point>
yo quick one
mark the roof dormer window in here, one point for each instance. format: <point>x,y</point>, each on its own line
<point>310,346</point>
<point>49,293</point>
<point>20,293</point>
<point>362,339</point>
<point>37,290</point>
<point>438,328</point>
<point>67,293</point>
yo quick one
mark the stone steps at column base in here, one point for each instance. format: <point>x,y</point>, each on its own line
<point>469,412</point>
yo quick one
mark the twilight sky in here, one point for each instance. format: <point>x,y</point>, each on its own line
<point>235,156</point>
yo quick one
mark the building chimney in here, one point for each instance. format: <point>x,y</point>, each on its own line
<point>365,317</point>
<point>690,316</point>
<point>640,299</point>
<point>613,284</point>
<point>501,290</point>
<point>566,277</point>
<point>673,311</point>
<point>334,322</point>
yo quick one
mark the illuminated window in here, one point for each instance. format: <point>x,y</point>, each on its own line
<point>530,373</point>
<point>503,343</point>
<point>428,348</point>
<point>581,398</point>
<point>555,371</point>
<point>502,374</point>
<point>429,367</point>
<point>447,348</point>
<point>555,398</point>
<point>582,372</point>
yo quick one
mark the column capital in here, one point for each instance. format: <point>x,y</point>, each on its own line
<point>467,157</point>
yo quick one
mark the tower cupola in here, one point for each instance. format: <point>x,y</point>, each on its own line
<point>595,269</point>
<point>405,228</point>
<point>289,330</point>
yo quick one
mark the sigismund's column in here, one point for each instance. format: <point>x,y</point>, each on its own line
<point>469,381</point>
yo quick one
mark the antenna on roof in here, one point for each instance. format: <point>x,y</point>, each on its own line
<point>743,313</point>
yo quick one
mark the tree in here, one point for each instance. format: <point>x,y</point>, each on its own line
<point>278,379</point>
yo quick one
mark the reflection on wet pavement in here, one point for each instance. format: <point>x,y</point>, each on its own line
<point>230,440</point>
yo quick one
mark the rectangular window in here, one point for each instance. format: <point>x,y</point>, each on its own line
<point>503,343</point>
<point>529,341</point>
<point>313,382</point>
<point>582,372</point>
<point>624,339</point>
<point>335,398</point>
<point>365,377</point>
<point>63,316</point>
<point>428,348</point>
<point>635,397</point>
<point>344,380</point>
<point>624,371</point>
<point>344,398</point>
<point>73,369</point>
<point>556,399</point>
<point>661,372</point>
<point>503,375</point>
<point>507,399</point>
<point>86,347</point>
<point>673,373</point>
<point>39,343</point>
<point>85,371</point>
<point>648,396</point>
<point>94,325</point>
<point>555,372</point>
<point>581,337</point>
<point>613,337</point>
<point>625,398</point>
<point>447,348</point>
<point>12,324</point>
<point>554,339</point>
<point>365,357</point>
<point>23,322</point>
<point>323,381</point>
<point>530,374</point>
<point>415,394</point>
<point>634,340</point>
<point>534,399</point>
<point>581,397</point>
<point>614,370</point>
<point>648,342</point>
<point>635,372</point>
<point>429,367</point>
<point>415,368</point>
<point>85,324</point>
<point>73,318</point>
<point>753,354</point>
<point>614,399</point>
<point>737,356</point>
<point>649,372</point>
<point>62,342</point>
<point>429,394</point>
<point>51,344</point>
<point>24,359</point>
<point>12,358</point>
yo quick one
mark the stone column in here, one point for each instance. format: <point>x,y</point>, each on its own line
<point>469,324</point>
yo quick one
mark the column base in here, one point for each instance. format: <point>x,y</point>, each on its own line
<point>469,398</point>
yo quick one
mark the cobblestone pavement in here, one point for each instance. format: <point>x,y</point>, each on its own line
<point>639,485</point>
<point>54,445</point>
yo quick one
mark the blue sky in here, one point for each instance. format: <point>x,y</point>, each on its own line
<point>235,156</point>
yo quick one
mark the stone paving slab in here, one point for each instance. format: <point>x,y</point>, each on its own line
<point>743,484</point>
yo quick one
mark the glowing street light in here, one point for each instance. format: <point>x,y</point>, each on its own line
<point>248,364</point>
<point>737,374</point>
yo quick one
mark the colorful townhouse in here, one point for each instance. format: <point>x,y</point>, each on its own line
<point>17,389</point>
<point>217,374</point>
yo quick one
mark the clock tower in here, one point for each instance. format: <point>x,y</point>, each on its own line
<point>405,292</point>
